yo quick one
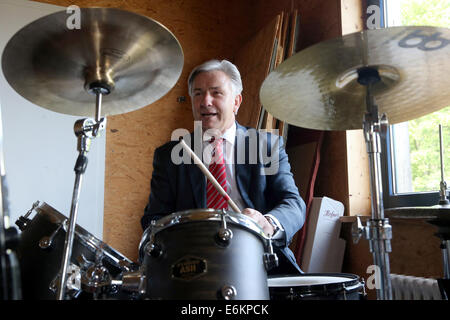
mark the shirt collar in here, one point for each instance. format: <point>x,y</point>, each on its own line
<point>229,135</point>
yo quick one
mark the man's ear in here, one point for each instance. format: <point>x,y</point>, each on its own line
<point>237,103</point>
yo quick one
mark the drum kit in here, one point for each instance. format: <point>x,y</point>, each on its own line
<point>125,62</point>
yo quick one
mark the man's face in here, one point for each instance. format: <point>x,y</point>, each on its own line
<point>213,100</point>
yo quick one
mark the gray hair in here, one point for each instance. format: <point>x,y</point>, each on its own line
<point>225,66</point>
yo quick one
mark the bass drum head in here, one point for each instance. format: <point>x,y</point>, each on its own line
<point>317,286</point>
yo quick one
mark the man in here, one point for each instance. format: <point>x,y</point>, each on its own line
<point>263,190</point>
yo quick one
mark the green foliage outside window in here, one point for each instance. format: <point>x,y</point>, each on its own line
<point>424,132</point>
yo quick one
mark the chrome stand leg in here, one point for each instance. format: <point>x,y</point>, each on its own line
<point>80,168</point>
<point>445,247</point>
<point>85,130</point>
<point>378,231</point>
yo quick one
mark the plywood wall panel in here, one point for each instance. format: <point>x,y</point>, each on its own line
<point>358,174</point>
<point>319,20</point>
<point>253,61</point>
<point>332,178</point>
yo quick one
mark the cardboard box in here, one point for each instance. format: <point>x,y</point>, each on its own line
<point>324,249</point>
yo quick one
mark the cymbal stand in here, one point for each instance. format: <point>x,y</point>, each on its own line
<point>443,233</point>
<point>86,130</point>
<point>443,185</point>
<point>378,230</point>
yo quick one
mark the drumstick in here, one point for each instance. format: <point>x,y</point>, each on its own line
<point>208,175</point>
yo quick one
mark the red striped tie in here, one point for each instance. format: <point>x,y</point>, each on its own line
<point>214,199</point>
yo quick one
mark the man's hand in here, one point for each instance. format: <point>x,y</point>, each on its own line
<point>261,220</point>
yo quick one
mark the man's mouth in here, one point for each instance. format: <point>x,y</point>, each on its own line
<point>209,114</point>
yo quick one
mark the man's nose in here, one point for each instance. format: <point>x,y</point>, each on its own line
<point>207,99</point>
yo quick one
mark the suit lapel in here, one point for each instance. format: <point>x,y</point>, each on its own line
<point>197,179</point>
<point>198,184</point>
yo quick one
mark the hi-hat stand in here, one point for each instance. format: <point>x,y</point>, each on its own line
<point>443,224</point>
<point>443,200</point>
<point>378,230</point>
<point>86,130</point>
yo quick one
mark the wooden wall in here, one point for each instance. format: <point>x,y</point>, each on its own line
<point>344,171</point>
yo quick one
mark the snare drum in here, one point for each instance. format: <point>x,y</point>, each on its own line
<point>204,254</point>
<point>317,286</point>
<point>40,253</point>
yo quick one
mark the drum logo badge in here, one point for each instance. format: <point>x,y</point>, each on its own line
<point>188,268</point>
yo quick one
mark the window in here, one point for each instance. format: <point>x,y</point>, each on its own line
<point>411,152</point>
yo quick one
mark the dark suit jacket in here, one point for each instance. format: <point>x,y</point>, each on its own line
<point>179,187</point>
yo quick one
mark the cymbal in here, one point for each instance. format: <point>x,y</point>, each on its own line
<point>53,65</point>
<point>317,88</point>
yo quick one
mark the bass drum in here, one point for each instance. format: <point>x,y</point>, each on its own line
<point>317,286</point>
<point>40,253</point>
<point>204,254</point>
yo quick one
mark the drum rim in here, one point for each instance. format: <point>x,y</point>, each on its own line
<point>186,216</point>
<point>352,280</point>
<point>206,215</point>
<point>85,236</point>
<point>355,285</point>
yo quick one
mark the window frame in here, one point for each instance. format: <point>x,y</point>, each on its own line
<point>396,200</point>
<point>390,198</point>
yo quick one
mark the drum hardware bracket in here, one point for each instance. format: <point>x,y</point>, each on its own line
<point>443,193</point>
<point>83,262</point>
<point>153,250</point>
<point>224,235</point>
<point>125,265</point>
<point>46,242</point>
<point>291,296</point>
<point>133,281</point>
<point>350,288</point>
<point>23,221</point>
<point>228,292</point>
<point>375,229</point>
<point>270,258</point>
<point>96,279</point>
<point>73,281</point>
